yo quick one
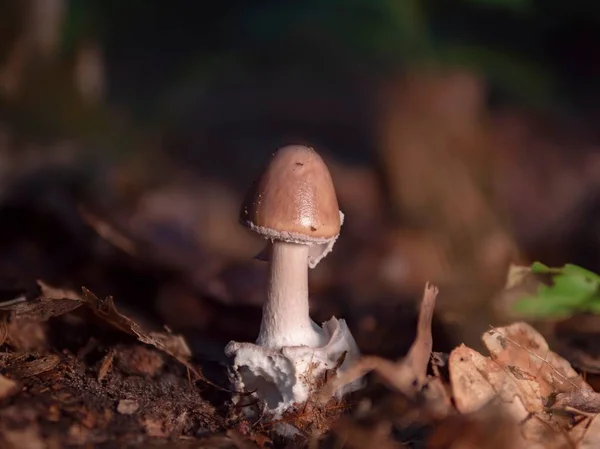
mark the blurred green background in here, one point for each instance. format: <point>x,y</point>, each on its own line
<point>233,68</point>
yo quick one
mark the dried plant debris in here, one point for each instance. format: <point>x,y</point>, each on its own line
<point>28,365</point>
<point>417,400</point>
<point>521,346</point>
<point>407,375</point>
<point>578,401</point>
<point>121,395</point>
<point>174,345</point>
<point>55,302</point>
<point>141,394</point>
<point>523,395</point>
<point>532,385</point>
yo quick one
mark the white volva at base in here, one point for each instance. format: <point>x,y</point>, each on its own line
<point>285,376</point>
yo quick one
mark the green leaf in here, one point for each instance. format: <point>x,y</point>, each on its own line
<point>577,270</point>
<point>540,268</point>
<point>573,289</point>
<point>574,284</point>
<point>593,306</point>
<point>564,294</point>
<point>535,307</point>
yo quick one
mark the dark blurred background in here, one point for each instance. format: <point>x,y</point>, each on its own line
<point>461,137</point>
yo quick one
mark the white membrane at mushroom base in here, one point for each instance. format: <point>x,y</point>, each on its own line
<point>286,376</point>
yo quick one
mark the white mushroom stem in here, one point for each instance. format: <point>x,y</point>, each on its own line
<point>285,318</point>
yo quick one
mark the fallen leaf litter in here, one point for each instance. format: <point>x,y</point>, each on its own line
<point>543,401</point>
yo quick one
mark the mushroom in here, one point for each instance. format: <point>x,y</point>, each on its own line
<point>295,207</point>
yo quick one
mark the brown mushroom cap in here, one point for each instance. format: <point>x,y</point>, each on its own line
<point>294,199</point>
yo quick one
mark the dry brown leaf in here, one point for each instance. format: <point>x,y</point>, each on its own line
<point>589,434</point>
<point>522,375</point>
<point>519,347</point>
<point>477,380</point>
<point>478,383</point>
<point>21,368</point>
<point>581,401</point>
<point>26,331</point>
<point>470,387</point>
<point>174,345</point>
<point>542,432</point>
<point>55,301</point>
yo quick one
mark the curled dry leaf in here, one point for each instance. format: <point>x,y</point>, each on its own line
<point>22,368</point>
<point>520,347</point>
<point>174,345</point>
<point>588,436</point>
<point>52,302</point>
<point>578,401</point>
<point>475,380</point>
<point>26,331</point>
<point>55,302</point>
<point>520,376</point>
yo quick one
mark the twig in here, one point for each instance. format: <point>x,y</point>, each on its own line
<point>406,375</point>
<point>420,351</point>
